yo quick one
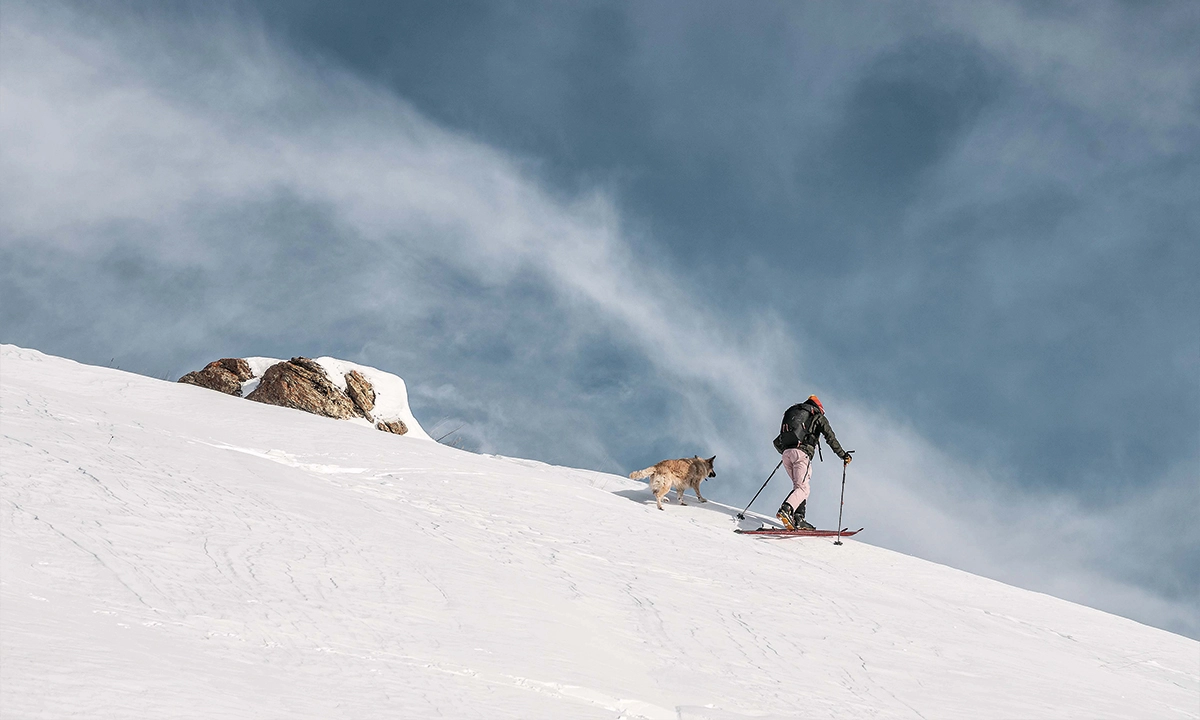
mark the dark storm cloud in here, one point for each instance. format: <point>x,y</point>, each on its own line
<point>903,117</point>
<point>608,233</point>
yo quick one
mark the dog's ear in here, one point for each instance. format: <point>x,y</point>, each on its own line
<point>710,460</point>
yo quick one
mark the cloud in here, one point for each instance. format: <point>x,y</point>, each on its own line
<point>174,188</point>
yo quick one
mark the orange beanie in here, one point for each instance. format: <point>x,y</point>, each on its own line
<point>816,402</point>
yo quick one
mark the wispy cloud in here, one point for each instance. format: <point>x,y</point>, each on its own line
<point>200,184</point>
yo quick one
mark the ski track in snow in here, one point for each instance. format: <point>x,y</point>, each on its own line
<point>171,552</point>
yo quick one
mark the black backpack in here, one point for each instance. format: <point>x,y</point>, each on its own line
<point>799,421</point>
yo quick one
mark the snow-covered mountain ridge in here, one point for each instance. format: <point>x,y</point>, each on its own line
<point>168,551</point>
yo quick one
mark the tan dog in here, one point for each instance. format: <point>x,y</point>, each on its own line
<point>678,474</point>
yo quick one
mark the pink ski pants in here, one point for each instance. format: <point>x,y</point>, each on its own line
<point>799,468</point>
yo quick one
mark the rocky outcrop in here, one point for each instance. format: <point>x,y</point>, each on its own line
<point>393,426</point>
<point>301,383</point>
<point>359,389</point>
<point>225,375</point>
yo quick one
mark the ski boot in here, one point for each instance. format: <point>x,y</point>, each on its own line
<point>785,516</point>
<point>798,521</point>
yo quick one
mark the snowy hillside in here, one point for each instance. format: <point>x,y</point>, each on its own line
<point>169,551</point>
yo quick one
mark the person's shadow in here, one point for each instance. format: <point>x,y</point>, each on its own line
<point>643,496</point>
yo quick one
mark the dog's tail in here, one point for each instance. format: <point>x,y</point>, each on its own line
<point>642,474</point>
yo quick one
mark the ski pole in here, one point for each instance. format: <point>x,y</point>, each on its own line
<point>842,502</point>
<point>742,514</point>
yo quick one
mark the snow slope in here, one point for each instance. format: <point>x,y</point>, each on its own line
<point>168,551</point>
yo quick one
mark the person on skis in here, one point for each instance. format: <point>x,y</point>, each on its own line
<point>799,436</point>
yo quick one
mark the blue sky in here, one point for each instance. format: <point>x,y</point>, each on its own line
<point>601,234</point>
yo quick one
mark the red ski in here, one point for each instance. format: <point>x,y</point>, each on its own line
<point>780,532</point>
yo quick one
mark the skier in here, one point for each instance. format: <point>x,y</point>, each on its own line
<point>799,436</point>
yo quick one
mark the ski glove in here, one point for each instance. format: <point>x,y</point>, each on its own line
<point>846,460</point>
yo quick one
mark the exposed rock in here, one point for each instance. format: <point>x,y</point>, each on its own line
<point>310,365</point>
<point>393,426</point>
<point>361,393</point>
<point>238,367</point>
<point>225,375</point>
<point>301,384</point>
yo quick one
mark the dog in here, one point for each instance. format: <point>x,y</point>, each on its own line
<point>678,474</point>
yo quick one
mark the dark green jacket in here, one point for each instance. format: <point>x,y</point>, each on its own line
<point>821,427</point>
<point>809,444</point>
